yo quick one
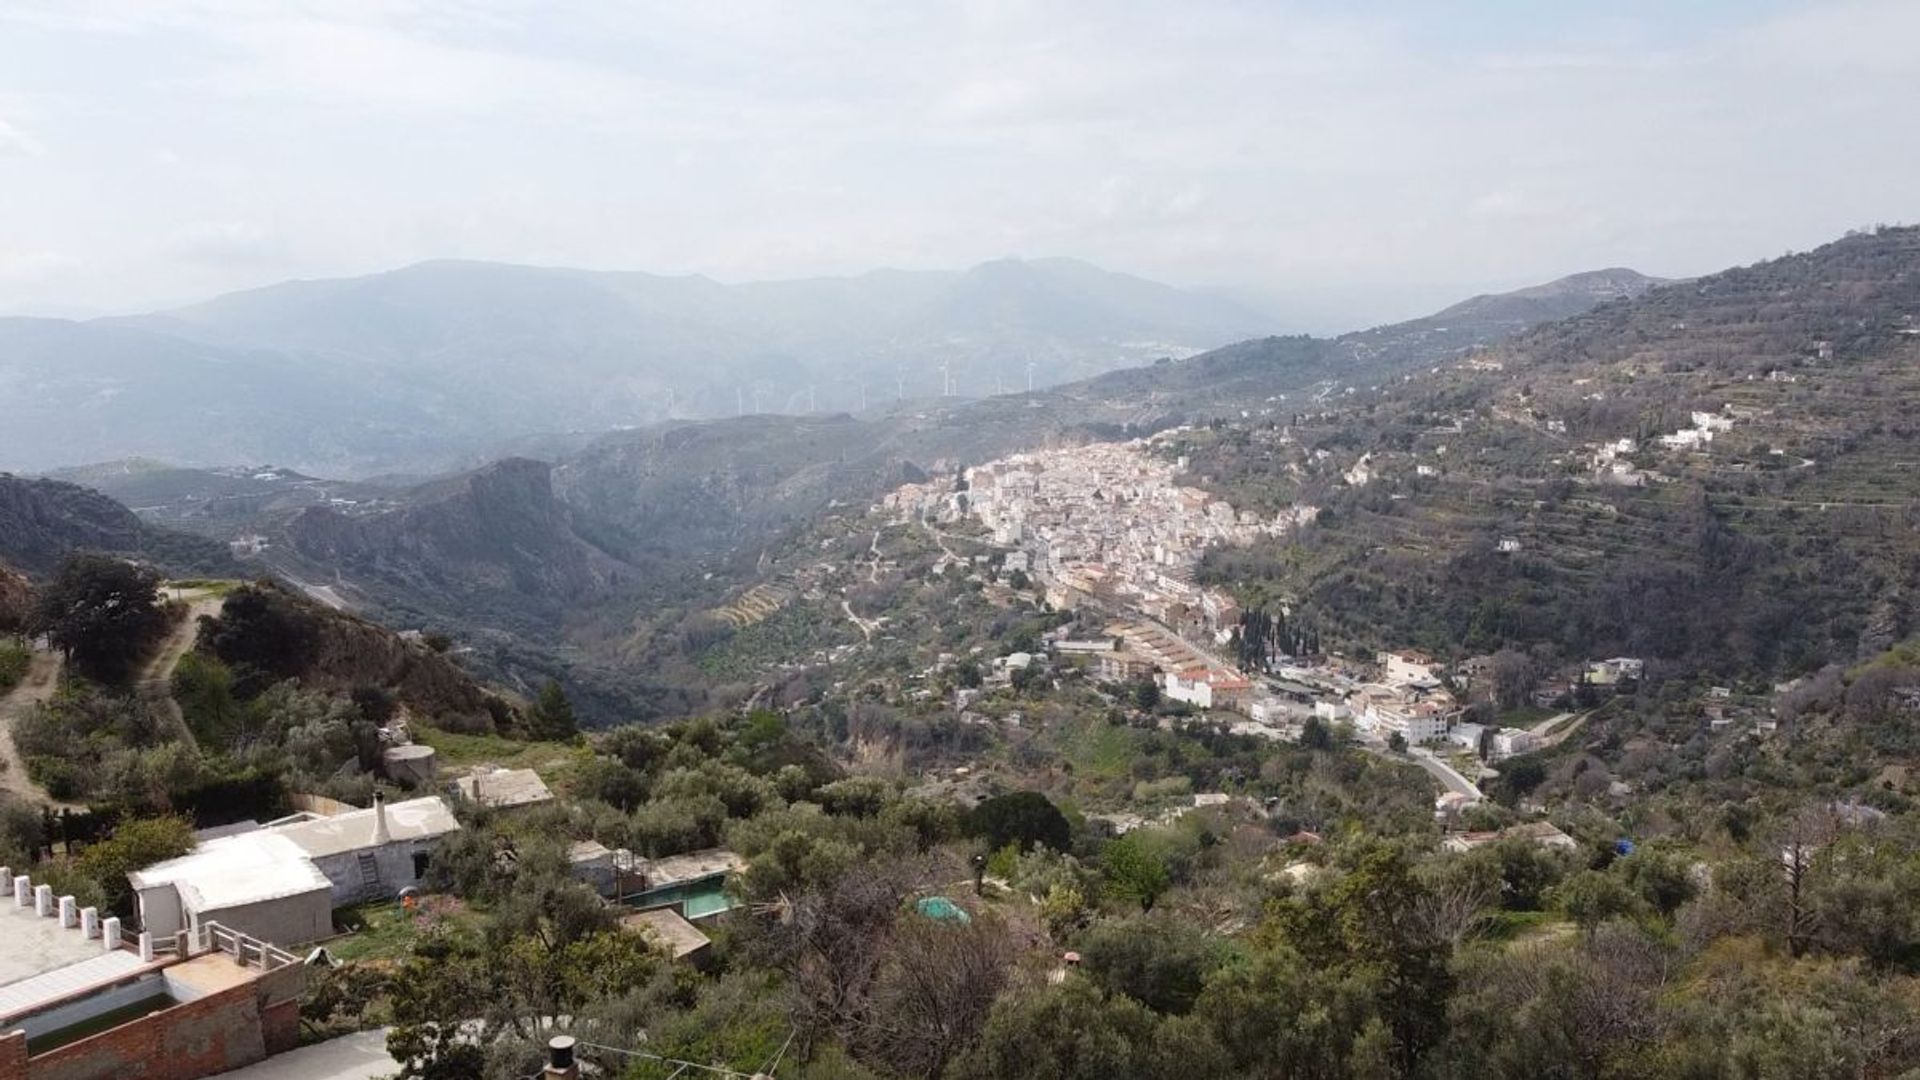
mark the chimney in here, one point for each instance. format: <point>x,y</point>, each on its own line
<point>381,835</point>
<point>560,1062</point>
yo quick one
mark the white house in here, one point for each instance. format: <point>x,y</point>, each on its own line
<point>1619,669</point>
<point>1406,666</point>
<point>281,883</point>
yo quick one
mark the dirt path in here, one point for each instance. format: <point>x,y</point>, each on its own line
<point>156,684</point>
<point>43,677</point>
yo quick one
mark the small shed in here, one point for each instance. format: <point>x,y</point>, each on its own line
<point>668,930</point>
<point>504,789</point>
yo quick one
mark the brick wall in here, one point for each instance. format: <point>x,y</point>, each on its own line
<point>221,1031</point>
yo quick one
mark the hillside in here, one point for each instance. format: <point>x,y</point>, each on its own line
<point>278,634</point>
<point>443,364</point>
<point>1262,373</point>
<point>42,521</point>
<point>494,543</point>
<point>558,571</point>
<point>1716,475</point>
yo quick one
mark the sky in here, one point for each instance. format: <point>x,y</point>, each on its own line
<point>1344,164</point>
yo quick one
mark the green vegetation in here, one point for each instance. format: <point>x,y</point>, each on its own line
<point>14,661</point>
<point>103,613</point>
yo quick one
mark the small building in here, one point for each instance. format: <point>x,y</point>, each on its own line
<point>503,789</point>
<point>1543,833</point>
<point>1509,742</point>
<point>1407,666</point>
<point>372,854</point>
<point>1122,667</point>
<point>281,883</point>
<point>1084,647</point>
<point>611,871</point>
<point>1617,670</point>
<point>259,883</point>
<point>668,931</point>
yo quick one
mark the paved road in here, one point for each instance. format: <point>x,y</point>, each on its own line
<point>42,678</point>
<point>1445,773</point>
<point>360,1056</point>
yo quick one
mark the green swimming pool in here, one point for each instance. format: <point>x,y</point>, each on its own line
<point>695,900</point>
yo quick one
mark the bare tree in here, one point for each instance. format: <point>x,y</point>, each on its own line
<point>1448,910</point>
<point>1812,829</point>
<point>931,998</point>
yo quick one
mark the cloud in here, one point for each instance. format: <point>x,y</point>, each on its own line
<point>13,140</point>
<point>1362,163</point>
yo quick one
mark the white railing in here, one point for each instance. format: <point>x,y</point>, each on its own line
<point>246,951</point>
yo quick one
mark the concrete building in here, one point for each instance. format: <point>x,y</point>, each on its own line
<point>372,854</point>
<point>1542,833</point>
<point>503,789</point>
<point>80,1000</point>
<point>1204,688</point>
<point>1407,666</point>
<point>259,883</point>
<point>281,883</point>
<point>668,931</point>
<point>1617,670</point>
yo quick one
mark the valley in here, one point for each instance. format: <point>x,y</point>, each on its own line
<point>1527,641</point>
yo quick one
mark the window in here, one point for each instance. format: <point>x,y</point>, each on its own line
<point>420,859</point>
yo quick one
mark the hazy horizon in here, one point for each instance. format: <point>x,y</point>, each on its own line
<point>1339,169</point>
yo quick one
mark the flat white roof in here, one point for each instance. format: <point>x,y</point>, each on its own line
<point>504,787</point>
<point>415,819</point>
<point>230,871</point>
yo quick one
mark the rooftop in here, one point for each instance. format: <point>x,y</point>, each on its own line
<point>415,819</point>
<point>504,787</point>
<point>42,961</point>
<point>693,866</point>
<point>680,937</point>
<point>229,871</point>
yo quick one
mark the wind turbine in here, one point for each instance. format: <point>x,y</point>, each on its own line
<point>739,400</point>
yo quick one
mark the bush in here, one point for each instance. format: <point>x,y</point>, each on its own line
<point>1024,818</point>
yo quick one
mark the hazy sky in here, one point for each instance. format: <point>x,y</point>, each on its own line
<point>1350,162</point>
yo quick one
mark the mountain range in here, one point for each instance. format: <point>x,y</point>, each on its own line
<point>441,363</point>
<point>566,556</point>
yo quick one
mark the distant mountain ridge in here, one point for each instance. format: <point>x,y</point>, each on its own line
<point>43,521</point>
<point>1258,373</point>
<point>430,366</point>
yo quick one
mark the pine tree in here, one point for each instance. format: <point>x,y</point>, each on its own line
<point>551,718</point>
